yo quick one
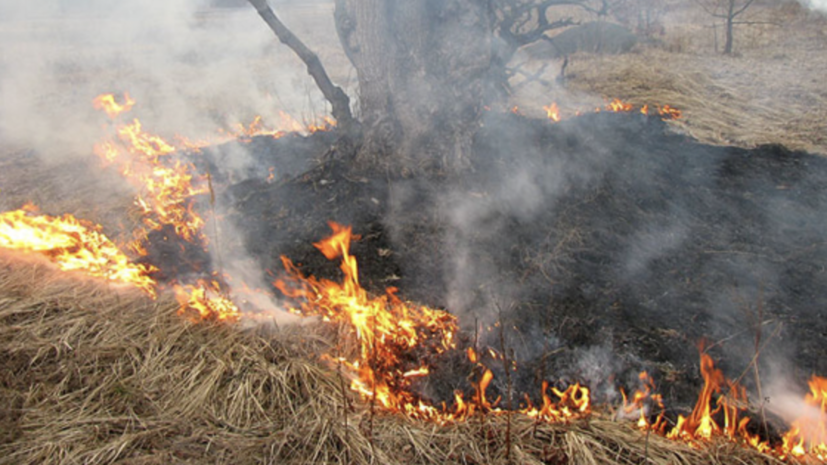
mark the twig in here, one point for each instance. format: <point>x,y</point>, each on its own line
<point>510,406</point>
<point>373,382</point>
<point>758,352</point>
<point>215,223</point>
<point>345,403</point>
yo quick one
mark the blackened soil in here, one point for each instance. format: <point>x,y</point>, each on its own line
<point>606,243</point>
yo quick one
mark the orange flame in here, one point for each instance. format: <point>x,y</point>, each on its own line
<point>553,112</point>
<point>731,401</point>
<point>389,331</point>
<point>808,434</point>
<point>574,402</point>
<point>615,106</point>
<point>207,299</point>
<point>72,244</point>
<point>644,402</point>
<point>107,103</point>
<point>385,327</point>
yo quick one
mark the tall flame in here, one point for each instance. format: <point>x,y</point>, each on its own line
<point>385,327</point>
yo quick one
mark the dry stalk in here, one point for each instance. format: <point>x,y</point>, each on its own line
<point>342,388</point>
<point>509,405</point>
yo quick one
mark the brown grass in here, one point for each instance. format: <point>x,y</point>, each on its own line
<point>96,375</point>
<point>770,91</point>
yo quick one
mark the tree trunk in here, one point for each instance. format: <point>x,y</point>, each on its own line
<point>421,66</point>
<point>730,19</point>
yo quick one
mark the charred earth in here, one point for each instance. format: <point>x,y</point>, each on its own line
<point>606,244</point>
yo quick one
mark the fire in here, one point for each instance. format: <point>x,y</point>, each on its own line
<point>167,186</point>
<point>396,341</point>
<point>107,103</point>
<point>72,244</point>
<point>808,434</point>
<point>574,402</point>
<point>644,403</point>
<point>387,329</point>
<point>553,112</point>
<point>670,112</point>
<point>731,397</point>
<point>617,105</point>
<point>208,299</point>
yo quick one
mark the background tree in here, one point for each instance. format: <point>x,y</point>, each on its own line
<point>729,11</point>
<point>426,69</point>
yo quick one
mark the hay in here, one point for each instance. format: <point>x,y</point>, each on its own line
<point>96,375</point>
<point>726,101</point>
<point>769,92</point>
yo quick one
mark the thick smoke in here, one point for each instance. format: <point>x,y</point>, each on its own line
<point>192,68</point>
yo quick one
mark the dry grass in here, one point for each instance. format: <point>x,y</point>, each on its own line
<point>770,91</point>
<point>94,375</point>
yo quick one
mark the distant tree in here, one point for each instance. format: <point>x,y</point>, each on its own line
<point>426,69</point>
<point>729,11</point>
<point>644,16</point>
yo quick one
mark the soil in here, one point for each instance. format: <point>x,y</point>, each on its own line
<point>606,244</point>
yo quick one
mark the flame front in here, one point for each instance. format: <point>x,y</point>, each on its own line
<point>388,330</point>
<point>666,112</point>
<point>808,434</point>
<point>397,340</point>
<point>72,244</point>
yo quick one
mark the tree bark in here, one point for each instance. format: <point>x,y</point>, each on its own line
<point>421,66</point>
<point>730,18</point>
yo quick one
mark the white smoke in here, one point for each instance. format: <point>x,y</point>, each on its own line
<point>818,5</point>
<point>192,68</point>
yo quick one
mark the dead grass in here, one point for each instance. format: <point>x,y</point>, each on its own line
<point>770,92</point>
<point>94,375</point>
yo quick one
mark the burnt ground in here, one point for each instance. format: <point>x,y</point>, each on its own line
<point>606,243</point>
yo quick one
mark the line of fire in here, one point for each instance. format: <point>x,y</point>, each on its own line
<point>394,343</point>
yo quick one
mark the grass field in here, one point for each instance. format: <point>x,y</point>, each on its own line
<point>92,375</point>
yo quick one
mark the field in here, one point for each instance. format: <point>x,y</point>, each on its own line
<point>91,373</point>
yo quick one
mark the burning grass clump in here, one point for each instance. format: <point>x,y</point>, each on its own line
<point>92,374</point>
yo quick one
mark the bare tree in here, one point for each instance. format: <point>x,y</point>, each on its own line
<point>729,11</point>
<point>644,16</point>
<point>426,69</point>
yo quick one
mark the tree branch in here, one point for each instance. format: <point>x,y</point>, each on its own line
<point>339,101</point>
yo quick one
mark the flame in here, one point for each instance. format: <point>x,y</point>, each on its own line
<point>574,402</point>
<point>670,112</point>
<point>730,403</point>
<point>389,332</point>
<point>107,103</point>
<point>553,112</point>
<point>644,402</point>
<point>72,244</point>
<point>396,340</point>
<point>808,434</point>
<point>208,299</point>
<point>617,106</point>
<point>387,329</point>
